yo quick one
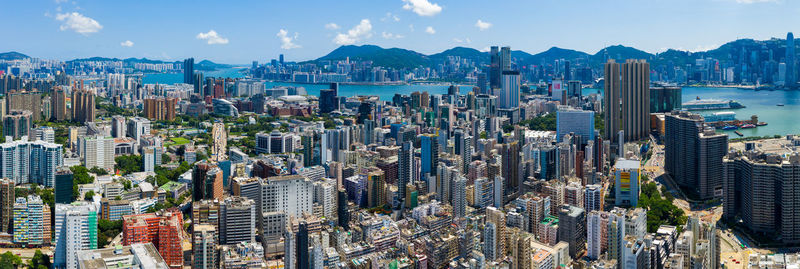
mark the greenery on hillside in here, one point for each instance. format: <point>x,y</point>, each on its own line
<point>127,164</point>
<point>541,123</point>
<point>107,231</point>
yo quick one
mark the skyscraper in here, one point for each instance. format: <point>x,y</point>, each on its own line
<point>405,169</point>
<point>83,106</point>
<point>627,100</point>
<point>7,205</point>
<point>204,246</point>
<point>505,58</point>
<point>429,144</point>
<point>75,229</point>
<point>63,187</point>
<point>58,104</point>
<point>510,160</point>
<point>302,247</point>
<point>31,221</point>
<point>572,229</point>
<point>328,100</point>
<point>495,69</point>
<point>627,182</point>
<point>791,72</point>
<point>693,154</point>
<point>30,162</point>
<point>188,71</point>
<point>508,97</point>
<point>237,222</point>
<point>17,123</point>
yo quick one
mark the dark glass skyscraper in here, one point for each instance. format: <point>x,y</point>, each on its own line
<point>790,62</point>
<point>63,188</point>
<point>495,70</point>
<point>406,157</point>
<point>328,101</point>
<point>188,71</point>
<point>302,246</point>
<point>341,211</point>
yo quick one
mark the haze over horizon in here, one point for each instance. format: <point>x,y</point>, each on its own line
<point>253,30</point>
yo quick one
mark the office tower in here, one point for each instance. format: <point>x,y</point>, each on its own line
<point>405,169</point>
<point>508,97</point>
<point>138,127</point>
<point>665,99</point>
<point>83,106</point>
<point>302,247</point>
<point>791,64</point>
<point>31,221</point>
<point>495,69</point>
<point>634,253</point>
<point>460,197</point>
<point>207,181</point>
<point>596,234</point>
<point>17,123</point>
<point>342,213</point>
<point>521,250</point>
<point>44,133</point>
<point>429,146</point>
<point>75,229</point>
<point>761,189</point>
<point>282,197</point>
<point>328,101</point>
<point>204,246</point>
<point>188,71</point>
<point>574,121</point>
<point>30,162</point>
<point>31,101</point>
<point>160,108</point>
<point>626,173</point>
<point>510,171</point>
<point>505,58</point>
<point>452,90</point>
<point>149,159</point>
<point>237,221</point>
<point>7,193</point>
<point>627,97</point>
<point>224,108</point>
<point>483,84</point>
<point>58,105</point>
<point>219,148</point>
<point>494,234</point>
<point>463,147</point>
<point>376,189</point>
<point>98,152</point>
<point>572,229</point>
<point>365,112</point>
<point>274,142</point>
<point>693,154</point>
<point>63,186</point>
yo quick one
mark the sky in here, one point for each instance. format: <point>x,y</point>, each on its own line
<point>238,32</point>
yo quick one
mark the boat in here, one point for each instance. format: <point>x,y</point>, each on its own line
<point>711,104</point>
<point>738,133</point>
<point>748,126</point>
<point>779,104</point>
<point>761,124</point>
<point>730,127</point>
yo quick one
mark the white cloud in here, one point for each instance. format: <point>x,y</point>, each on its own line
<point>77,22</point>
<point>332,26</point>
<point>430,30</point>
<point>126,43</point>
<point>482,25</point>
<point>390,16</point>
<point>387,35</point>
<point>485,49</point>
<point>287,42</point>
<point>362,30</point>
<point>61,1</point>
<point>411,27</point>
<point>212,38</point>
<point>422,7</point>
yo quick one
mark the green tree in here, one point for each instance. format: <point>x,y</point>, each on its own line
<point>129,163</point>
<point>98,171</point>
<point>39,261</point>
<point>10,261</point>
<point>88,196</point>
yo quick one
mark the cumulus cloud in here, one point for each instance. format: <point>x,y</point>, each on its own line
<point>422,7</point>
<point>482,25</point>
<point>387,35</point>
<point>126,43</point>
<point>430,30</point>
<point>212,38</point>
<point>287,42</point>
<point>358,32</point>
<point>332,26</point>
<point>78,23</point>
<point>462,41</point>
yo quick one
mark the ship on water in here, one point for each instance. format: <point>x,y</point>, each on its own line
<point>711,104</point>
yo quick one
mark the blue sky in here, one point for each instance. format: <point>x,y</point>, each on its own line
<point>260,30</point>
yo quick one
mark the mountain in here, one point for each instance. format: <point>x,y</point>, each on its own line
<point>12,55</point>
<point>620,53</point>
<point>128,60</point>
<point>468,53</point>
<point>553,54</point>
<point>206,65</point>
<point>393,57</point>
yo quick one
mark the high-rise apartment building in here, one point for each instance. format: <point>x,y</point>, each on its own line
<point>572,228</point>
<point>138,127</point>
<point>17,123</point>
<point>83,106</point>
<point>97,152</point>
<point>204,246</point>
<point>281,197</point>
<point>508,96</point>
<point>160,108</point>
<point>164,229</point>
<point>693,154</point>
<point>30,162</point>
<point>25,100</point>
<point>31,221</point>
<point>188,71</point>
<point>405,167</point>
<point>58,105</point>
<point>7,201</point>
<point>75,230</point>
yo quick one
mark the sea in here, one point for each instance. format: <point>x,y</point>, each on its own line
<point>781,120</point>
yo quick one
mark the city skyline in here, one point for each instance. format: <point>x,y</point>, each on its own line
<point>237,35</point>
